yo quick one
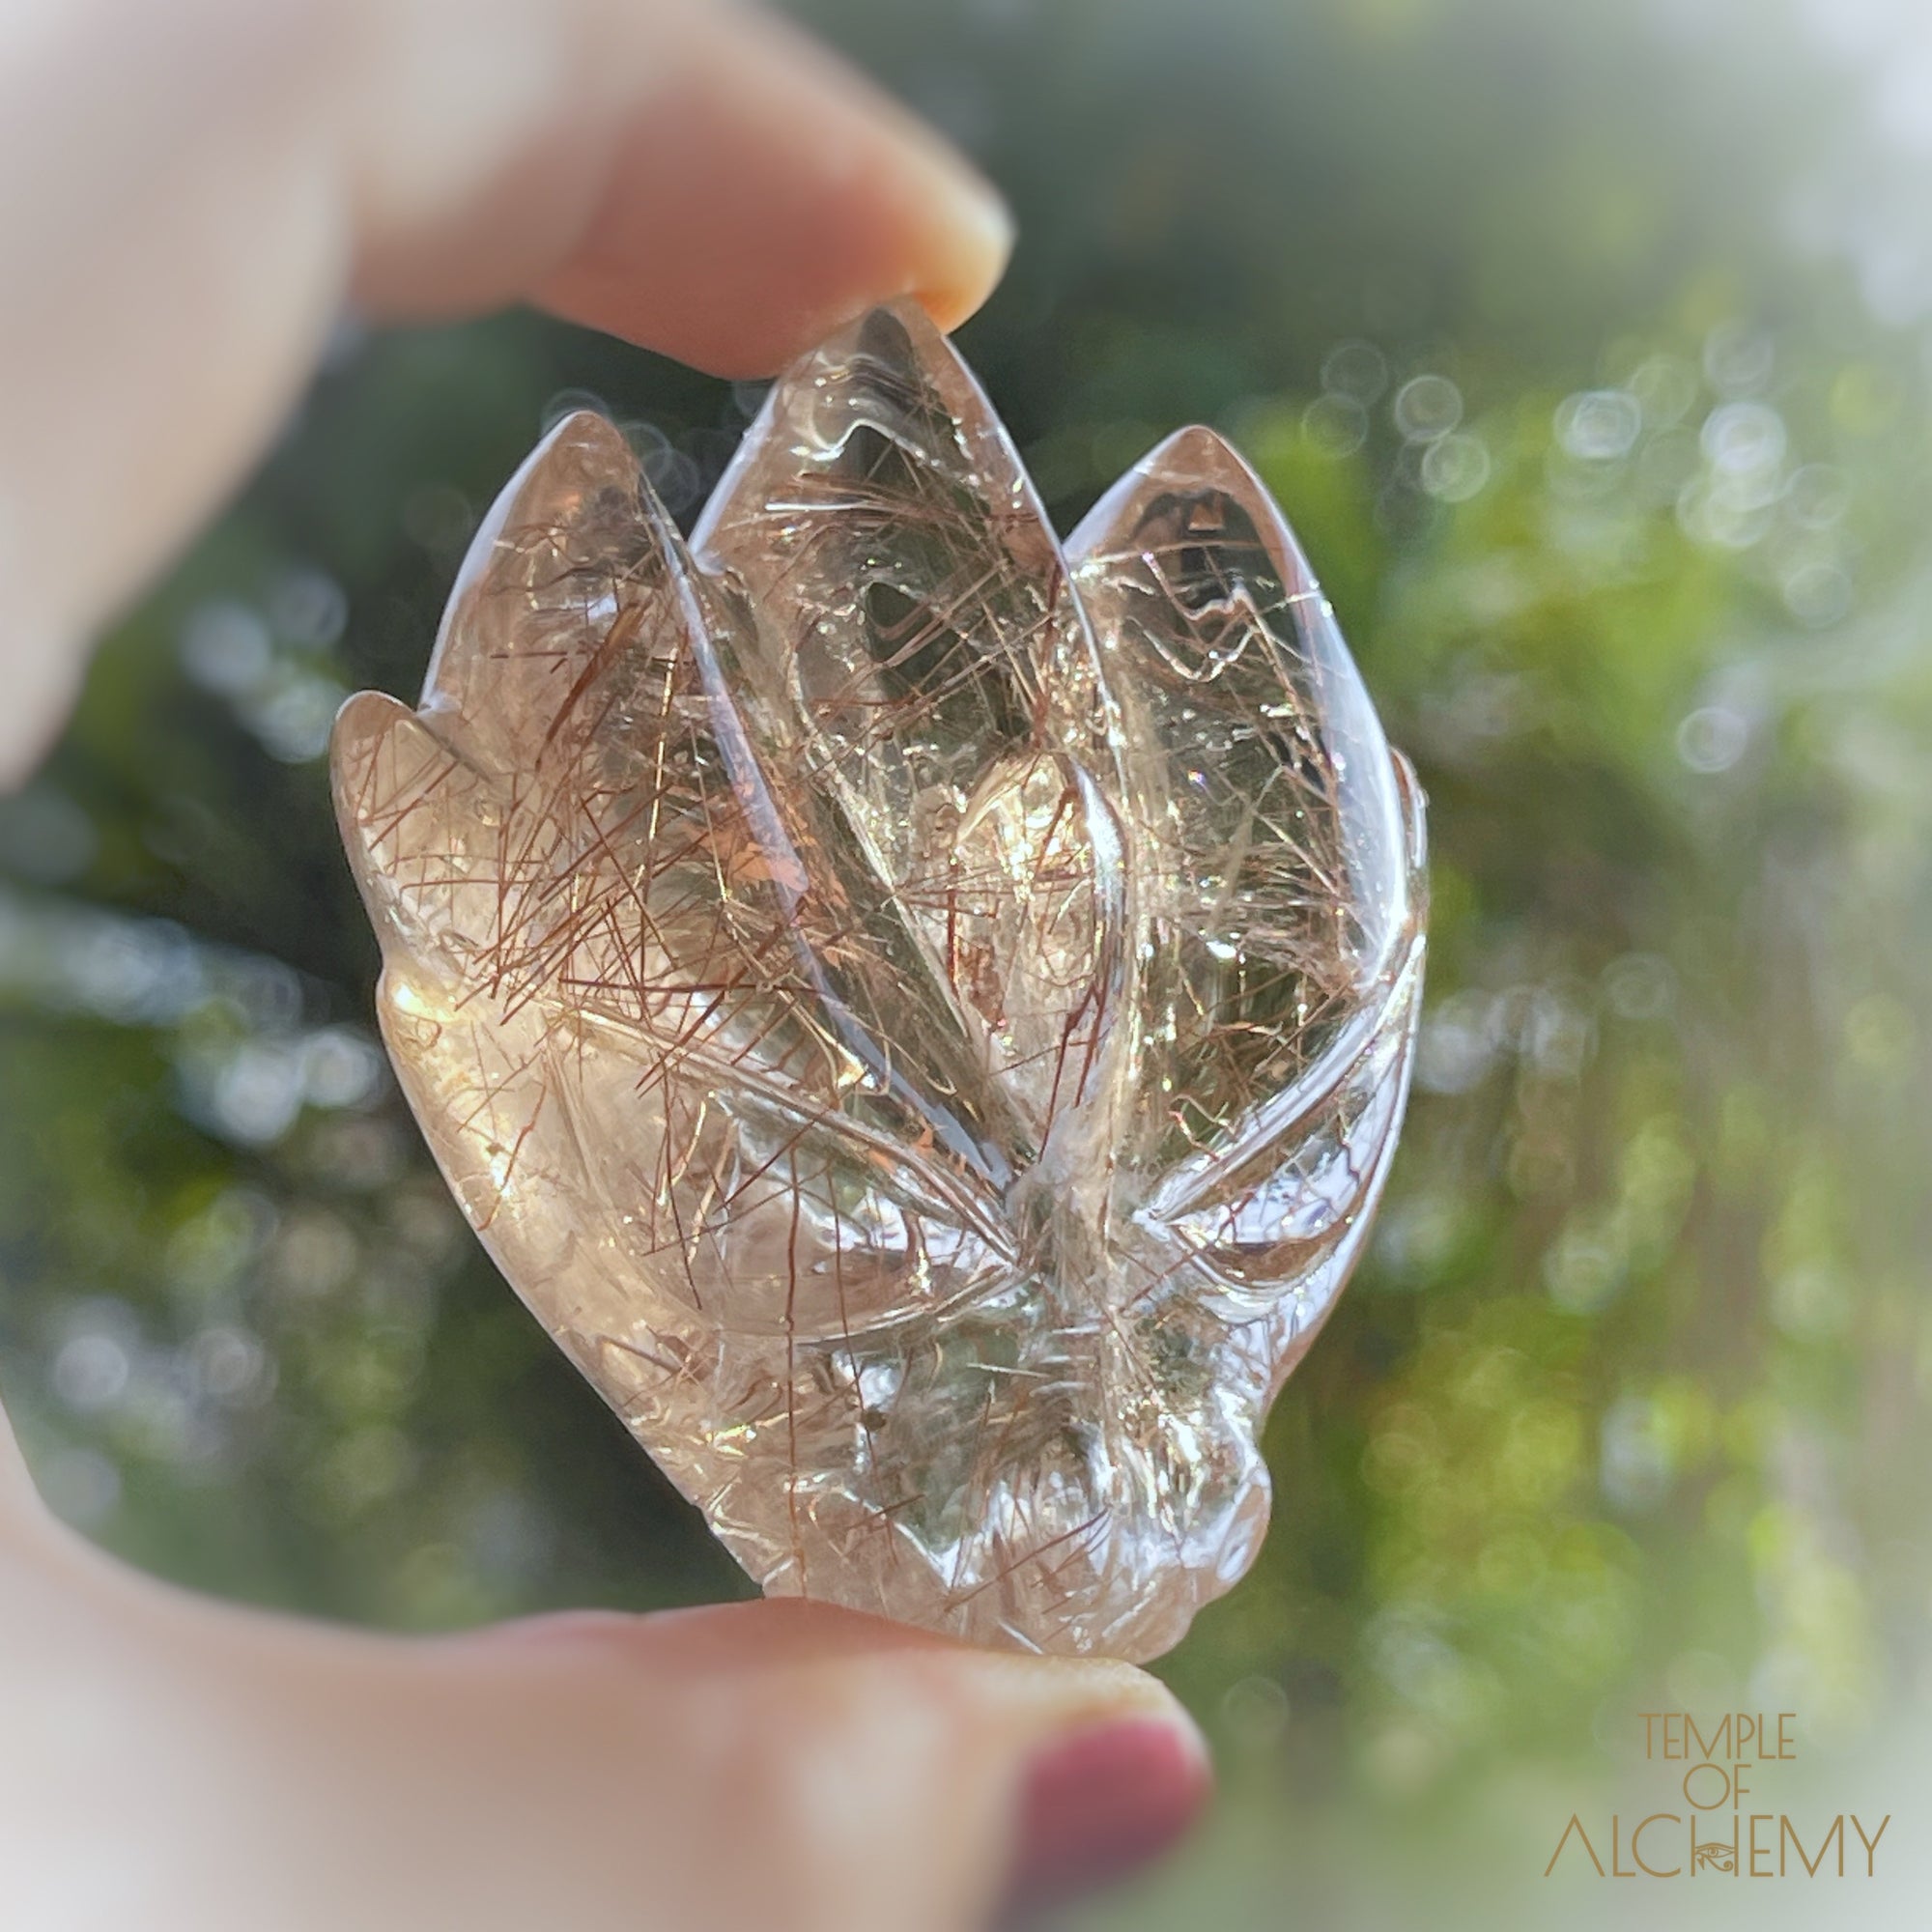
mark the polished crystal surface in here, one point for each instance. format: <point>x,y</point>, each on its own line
<point>923,1017</point>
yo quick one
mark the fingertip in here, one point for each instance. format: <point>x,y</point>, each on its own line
<point>767,194</point>
<point>959,230</point>
<point>1010,1781</point>
<point>1100,1804</point>
<point>1106,1770</point>
<point>972,242</point>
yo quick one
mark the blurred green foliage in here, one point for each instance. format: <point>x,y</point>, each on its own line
<point>1617,488</point>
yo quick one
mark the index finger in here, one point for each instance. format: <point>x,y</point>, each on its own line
<point>731,200</point>
<point>188,193</point>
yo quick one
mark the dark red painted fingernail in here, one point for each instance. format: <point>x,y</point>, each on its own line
<point>1101,1803</point>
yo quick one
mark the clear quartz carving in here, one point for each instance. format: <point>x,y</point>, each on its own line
<point>922,1017</point>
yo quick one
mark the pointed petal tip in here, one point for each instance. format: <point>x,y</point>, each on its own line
<point>590,430</point>
<point>1195,447</point>
<point>898,334</point>
<point>894,358</point>
<point>580,454</point>
<point>366,718</point>
<point>366,721</point>
<point>582,451</point>
<point>928,329</point>
<point>1194,459</point>
<point>901,334</point>
<point>908,314</point>
<point>580,511</point>
<point>912,315</point>
<point>1197,457</point>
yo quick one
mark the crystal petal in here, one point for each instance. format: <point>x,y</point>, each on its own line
<point>1284,881</point>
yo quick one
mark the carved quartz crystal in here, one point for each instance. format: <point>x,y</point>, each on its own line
<point>922,1017</point>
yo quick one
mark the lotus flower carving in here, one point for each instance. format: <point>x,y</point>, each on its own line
<point>920,1016</point>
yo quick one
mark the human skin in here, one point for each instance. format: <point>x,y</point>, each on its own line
<point>188,195</point>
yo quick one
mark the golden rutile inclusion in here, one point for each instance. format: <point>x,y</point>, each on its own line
<point>922,1017</point>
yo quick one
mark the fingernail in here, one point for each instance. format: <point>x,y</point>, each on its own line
<point>1101,1803</point>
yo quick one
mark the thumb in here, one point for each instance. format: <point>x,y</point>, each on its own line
<point>777,1763</point>
<point>886,1776</point>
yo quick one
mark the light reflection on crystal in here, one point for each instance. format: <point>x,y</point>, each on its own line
<point>922,1019</point>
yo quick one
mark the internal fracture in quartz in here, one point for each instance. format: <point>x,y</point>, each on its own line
<point>922,1017</point>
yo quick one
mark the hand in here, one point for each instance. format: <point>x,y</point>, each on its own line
<point>188,193</point>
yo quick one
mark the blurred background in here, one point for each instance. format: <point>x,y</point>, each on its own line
<point>1588,347</point>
